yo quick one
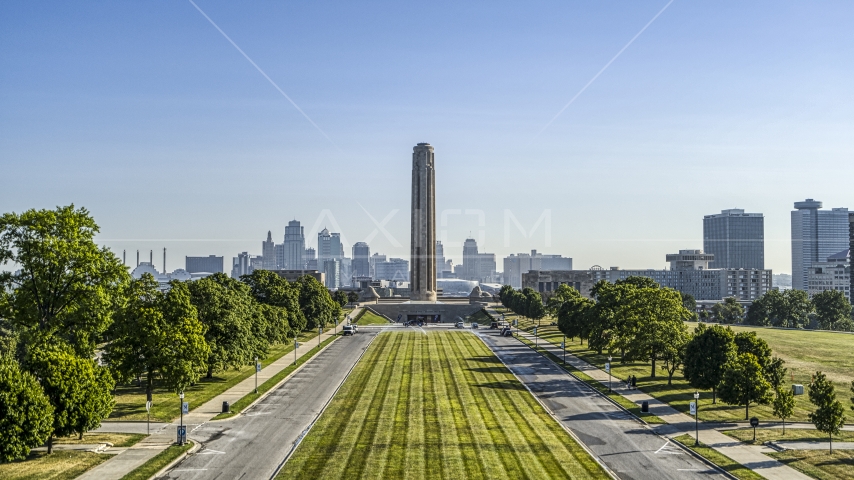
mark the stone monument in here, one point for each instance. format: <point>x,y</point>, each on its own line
<point>422,275</point>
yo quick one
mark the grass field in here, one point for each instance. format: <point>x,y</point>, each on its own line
<point>436,405</point>
<point>804,353</point>
<point>149,468</point>
<point>731,466</point>
<point>371,318</point>
<point>820,464</point>
<point>130,399</point>
<point>774,434</point>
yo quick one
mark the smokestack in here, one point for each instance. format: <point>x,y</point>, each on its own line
<point>151,257</point>
<point>164,260</point>
<point>125,258</point>
<point>137,258</point>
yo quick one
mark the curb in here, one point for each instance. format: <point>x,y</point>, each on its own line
<point>305,432</point>
<point>704,459</point>
<point>278,384</point>
<point>607,469</point>
<point>163,471</point>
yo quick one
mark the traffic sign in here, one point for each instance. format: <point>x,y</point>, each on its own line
<point>257,367</point>
<point>296,344</point>
<point>562,345</point>
<point>608,367</point>
<point>754,422</point>
<point>182,434</point>
<point>693,408</point>
<point>185,407</point>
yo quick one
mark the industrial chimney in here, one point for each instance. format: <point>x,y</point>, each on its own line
<point>137,258</point>
<point>164,260</point>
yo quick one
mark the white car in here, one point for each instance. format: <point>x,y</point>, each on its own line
<point>460,325</point>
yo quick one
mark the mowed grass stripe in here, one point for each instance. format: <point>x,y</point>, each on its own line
<point>464,417</point>
<point>395,459</point>
<point>450,441</point>
<point>468,418</point>
<point>331,425</point>
<point>359,434</point>
<point>542,427</point>
<point>415,438</point>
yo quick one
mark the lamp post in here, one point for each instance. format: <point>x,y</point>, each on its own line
<point>257,368</point>
<point>696,414</point>
<point>319,333</point>
<point>181,396</point>
<point>296,346</point>
<point>536,339</point>
<point>609,373</point>
<point>563,346</point>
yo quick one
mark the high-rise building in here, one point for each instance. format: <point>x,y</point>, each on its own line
<point>440,259</point>
<point>816,235</point>
<point>422,281</point>
<point>395,269</point>
<point>329,246</point>
<point>361,260</point>
<point>477,266</point>
<point>375,259</point>
<point>332,272</point>
<point>833,274</point>
<point>241,265</point>
<point>516,265</point>
<point>268,252</point>
<point>310,259</point>
<point>735,238</point>
<point>209,264</point>
<point>279,248</point>
<point>851,247</point>
<point>294,248</point>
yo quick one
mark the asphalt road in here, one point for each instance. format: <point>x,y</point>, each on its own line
<point>625,445</point>
<point>253,445</point>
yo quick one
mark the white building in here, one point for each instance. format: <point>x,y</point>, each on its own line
<point>834,274</point>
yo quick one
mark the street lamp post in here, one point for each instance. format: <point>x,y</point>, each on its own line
<point>319,333</point>
<point>609,373</point>
<point>536,339</point>
<point>181,397</point>
<point>296,346</point>
<point>696,414</point>
<point>563,346</point>
<point>257,368</point>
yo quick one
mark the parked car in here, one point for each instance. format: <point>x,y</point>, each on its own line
<point>474,326</point>
<point>460,325</point>
<point>348,330</point>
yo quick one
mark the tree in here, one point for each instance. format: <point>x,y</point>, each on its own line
<point>775,372</point>
<point>797,309</point>
<point>534,308</point>
<point>157,335</point>
<point>655,318</point>
<point>706,355</point>
<point>744,382</point>
<point>562,294</point>
<point>226,310</point>
<point>572,318</point>
<point>674,354</point>
<point>768,309</point>
<point>829,415</point>
<point>602,317</point>
<point>78,389</point>
<point>784,405</point>
<point>729,311</point>
<point>270,289</point>
<point>690,304</point>
<point>749,342</point>
<point>66,284</point>
<point>27,416</point>
<point>505,294</point>
<point>832,309</point>
<point>340,297</point>
<point>315,302</point>
<point>352,297</point>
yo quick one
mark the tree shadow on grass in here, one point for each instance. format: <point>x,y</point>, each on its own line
<point>505,385</point>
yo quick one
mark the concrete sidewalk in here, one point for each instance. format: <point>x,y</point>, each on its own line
<point>166,435</point>
<point>678,423</point>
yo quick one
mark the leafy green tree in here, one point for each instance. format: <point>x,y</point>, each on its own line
<point>657,318</point>
<point>797,309</point>
<point>829,415</point>
<point>79,390</point>
<point>562,294</point>
<point>602,317</point>
<point>534,308</point>
<point>784,405</point>
<point>352,297</point>
<point>744,383</point>
<point>832,309</point>
<point>768,309</point>
<point>706,354</point>
<point>26,416</point>
<point>227,311</point>
<point>66,284</point>
<point>340,297</point>
<point>505,294</point>
<point>270,289</point>
<point>775,372</point>
<point>315,302</point>
<point>158,336</point>
<point>749,342</point>
<point>690,304</point>
<point>729,311</point>
<point>274,326</point>
<point>572,318</point>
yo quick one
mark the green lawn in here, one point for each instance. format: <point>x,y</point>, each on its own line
<point>130,399</point>
<point>731,466</point>
<point>804,353</point>
<point>820,464</point>
<point>436,405</point>
<point>370,318</point>
<point>776,434</point>
<point>151,467</point>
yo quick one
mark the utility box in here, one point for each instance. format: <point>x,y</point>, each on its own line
<point>797,389</point>
<point>644,406</point>
<point>225,407</point>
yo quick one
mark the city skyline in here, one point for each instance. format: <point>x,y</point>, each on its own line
<point>153,121</point>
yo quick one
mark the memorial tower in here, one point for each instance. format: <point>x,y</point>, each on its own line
<point>422,274</point>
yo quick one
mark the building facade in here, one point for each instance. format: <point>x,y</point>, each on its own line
<point>832,274</point>
<point>209,264</point>
<point>268,252</point>
<point>294,247</point>
<point>816,235</point>
<point>396,269</point>
<point>440,259</point>
<point>361,260</point>
<point>423,225</point>
<point>735,238</point>
<point>517,264</point>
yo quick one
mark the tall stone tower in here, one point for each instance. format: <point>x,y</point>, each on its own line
<point>422,274</point>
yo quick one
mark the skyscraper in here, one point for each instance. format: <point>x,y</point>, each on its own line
<point>294,246</point>
<point>735,238</point>
<point>470,266</point>
<point>268,252</point>
<point>816,235</point>
<point>440,258</point>
<point>423,245</point>
<point>851,247</point>
<point>361,260</point>
<point>328,246</point>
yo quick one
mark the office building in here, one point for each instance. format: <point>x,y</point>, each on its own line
<point>735,238</point>
<point>310,259</point>
<point>240,265</point>
<point>209,264</point>
<point>440,259</point>
<point>689,273</point>
<point>816,235</point>
<point>375,259</point>
<point>851,247</point>
<point>832,274</point>
<point>294,247</point>
<point>396,269</point>
<point>268,253</point>
<point>328,246</point>
<point>279,248</point>
<point>476,266</point>
<point>361,260</point>
<point>423,225</point>
<point>516,265</point>
<point>332,272</point>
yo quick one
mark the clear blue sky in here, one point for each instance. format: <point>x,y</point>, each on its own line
<point>145,114</point>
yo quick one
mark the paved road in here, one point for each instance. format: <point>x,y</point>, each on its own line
<point>253,445</point>
<point>625,445</point>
